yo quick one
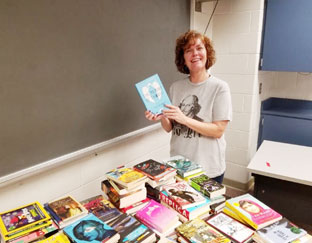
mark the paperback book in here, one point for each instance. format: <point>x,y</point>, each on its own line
<point>157,216</point>
<point>184,166</point>
<point>66,210</point>
<point>91,229</point>
<point>155,170</point>
<point>127,177</point>
<point>23,220</point>
<point>59,237</point>
<point>153,94</point>
<point>282,231</point>
<point>184,195</point>
<point>101,208</point>
<point>197,230</point>
<point>253,211</point>
<point>131,230</point>
<point>207,186</point>
<point>230,227</point>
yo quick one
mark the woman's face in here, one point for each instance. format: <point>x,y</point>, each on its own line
<point>195,56</point>
<point>249,207</point>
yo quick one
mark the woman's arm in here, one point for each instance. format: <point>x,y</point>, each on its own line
<point>165,122</point>
<point>213,129</point>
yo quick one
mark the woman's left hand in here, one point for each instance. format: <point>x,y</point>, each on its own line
<point>174,113</point>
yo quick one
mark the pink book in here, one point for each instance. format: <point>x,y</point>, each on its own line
<point>157,216</point>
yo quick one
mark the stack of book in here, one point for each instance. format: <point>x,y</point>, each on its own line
<point>158,174</point>
<point>65,210</point>
<point>159,218</point>
<point>125,187</point>
<point>26,223</point>
<point>186,168</point>
<point>91,229</point>
<point>188,202</point>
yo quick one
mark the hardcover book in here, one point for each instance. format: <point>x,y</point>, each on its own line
<point>157,216</point>
<point>155,170</point>
<point>184,194</point>
<point>282,231</point>
<point>253,211</point>
<point>127,177</point>
<point>101,208</point>
<point>197,230</point>
<point>66,210</point>
<point>184,166</point>
<point>153,94</point>
<point>230,227</point>
<point>131,230</point>
<point>23,220</point>
<point>189,213</point>
<point>91,229</point>
<point>207,186</point>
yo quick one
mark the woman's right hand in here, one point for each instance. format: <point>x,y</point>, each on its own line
<point>152,117</point>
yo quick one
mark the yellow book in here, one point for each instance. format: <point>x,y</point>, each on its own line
<point>232,214</point>
<point>253,211</point>
<point>22,220</point>
<point>59,237</point>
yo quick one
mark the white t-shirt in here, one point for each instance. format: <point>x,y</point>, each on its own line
<point>207,101</point>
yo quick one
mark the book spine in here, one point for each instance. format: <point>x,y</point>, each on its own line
<point>174,205</point>
<point>241,215</point>
<point>51,212</point>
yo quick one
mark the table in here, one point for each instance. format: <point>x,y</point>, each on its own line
<point>283,179</point>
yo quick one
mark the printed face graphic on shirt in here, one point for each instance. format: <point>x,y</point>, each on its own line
<point>190,107</point>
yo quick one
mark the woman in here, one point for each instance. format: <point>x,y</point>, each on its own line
<point>201,107</point>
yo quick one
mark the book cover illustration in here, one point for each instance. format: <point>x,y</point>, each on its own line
<point>130,229</point>
<point>231,227</point>
<point>153,94</point>
<point>153,169</point>
<point>101,208</point>
<point>25,217</point>
<point>157,216</point>
<point>282,231</point>
<point>207,186</point>
<point>125,175</point>
<point>90,229</point>
<point>184,194</point>
<point>59,237</point>
<point>184,166</point>
<point>198,231</point>
<point>67,208</point>
<point>253,211</point>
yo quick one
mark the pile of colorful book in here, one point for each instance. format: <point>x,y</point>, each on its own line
<point>152,202</point>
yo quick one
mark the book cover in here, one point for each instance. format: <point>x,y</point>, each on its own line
<point>232,214</point>
<point>126,177</point>
<point>282,231</point>
<point>207,186</point>
<point>253,211</point>
<point>154,169</point>
<point>153,94</point>
<point>91,229</point>
<point>130,229</point>
<point>59,237</point>
<point>23,219</point>
<point>230,227</point>
<point>184,194</point>
<point>184,166</point>
<point>197,230</point>
<point>101,207</point>
<point>67,208</point>
<point>189,213</point>
<point>157,216</point>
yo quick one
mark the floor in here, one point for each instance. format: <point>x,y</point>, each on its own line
<point>233,192</point>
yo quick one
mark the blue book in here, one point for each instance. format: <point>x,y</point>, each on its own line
<point>91,229</point>
<point>153,94</point>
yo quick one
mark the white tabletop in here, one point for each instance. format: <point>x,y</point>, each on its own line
<point>283,161</point>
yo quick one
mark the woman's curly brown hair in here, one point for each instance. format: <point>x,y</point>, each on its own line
<point>184,41</point>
